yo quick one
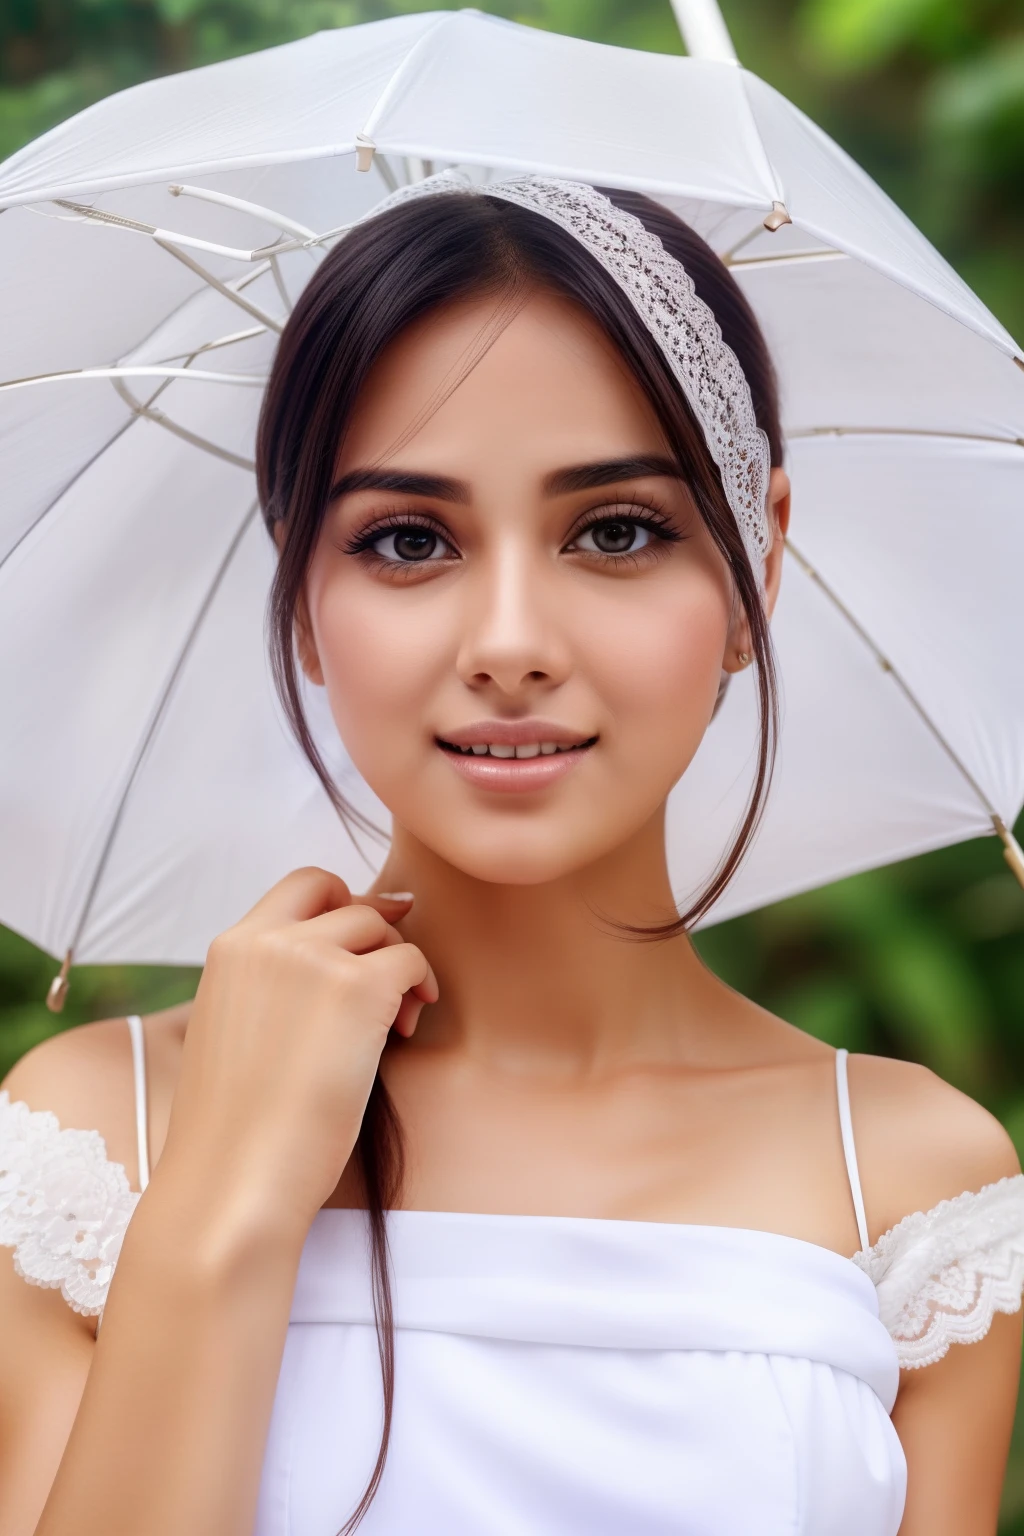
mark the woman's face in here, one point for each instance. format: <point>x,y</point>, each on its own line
<point>517,613</point>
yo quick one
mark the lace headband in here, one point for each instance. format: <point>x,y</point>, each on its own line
<point>663,294</point>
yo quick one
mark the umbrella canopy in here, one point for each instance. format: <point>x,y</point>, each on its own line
<point>150,249</point>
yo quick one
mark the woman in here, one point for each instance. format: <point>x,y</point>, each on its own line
<point>526,488</point>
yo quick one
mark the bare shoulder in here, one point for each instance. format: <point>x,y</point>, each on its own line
<point>919,1140</point>
<point>84,1077</point>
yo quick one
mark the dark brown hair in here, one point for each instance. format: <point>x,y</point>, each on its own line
<point>385,274</point>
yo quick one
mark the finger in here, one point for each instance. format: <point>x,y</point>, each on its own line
<point>408,968</point>
<point>357,928</point>
<point>393,907</point>
<point>408,1015</point>
<point>301,895</point>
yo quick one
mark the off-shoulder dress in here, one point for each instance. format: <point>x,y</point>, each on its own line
<point>571,1374</point>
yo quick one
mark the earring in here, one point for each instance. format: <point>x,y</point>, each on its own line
<point>743,657</point>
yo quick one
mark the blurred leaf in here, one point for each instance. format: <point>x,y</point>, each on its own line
<point>97,992</point>
<point>23,1028</point>
<point>973,114</point>
<point>1013,1120</point>
<point>989,908</point>
<point>28,111</point>
<point>174,12</point>
<point>981,93</point>
<point>934,1005</point>
<point>850,36</point>
<point>829,1007</point>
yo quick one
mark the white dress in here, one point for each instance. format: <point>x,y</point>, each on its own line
<point>563,1375</point>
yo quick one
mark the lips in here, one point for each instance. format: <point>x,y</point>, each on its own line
<point>515,756</point>
<point>505,751</point>
<point>532,730</point>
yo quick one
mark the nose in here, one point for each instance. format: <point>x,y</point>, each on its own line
<point>512,639</point>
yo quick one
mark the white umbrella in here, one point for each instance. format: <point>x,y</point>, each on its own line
<point>149,251</point>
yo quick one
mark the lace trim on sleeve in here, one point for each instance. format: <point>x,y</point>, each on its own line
<point>64,1206</point>
<point>941,1275</point>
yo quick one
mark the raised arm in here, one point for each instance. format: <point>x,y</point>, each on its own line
<point>165,1415</point>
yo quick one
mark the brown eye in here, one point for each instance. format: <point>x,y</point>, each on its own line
<point>616,536</point>
<point>410,544</point>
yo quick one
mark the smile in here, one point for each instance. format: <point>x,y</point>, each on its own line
<point>514,757</point>
<point>506,750</point>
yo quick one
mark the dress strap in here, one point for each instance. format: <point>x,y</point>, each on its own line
<point>849,1148</point>
<point>141,1119</point>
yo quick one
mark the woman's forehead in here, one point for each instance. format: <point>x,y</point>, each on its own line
<point>532,377</point>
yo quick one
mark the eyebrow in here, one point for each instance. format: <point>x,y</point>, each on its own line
<point>579,477</point>
<point>411,483</point>
<point>587,477</point>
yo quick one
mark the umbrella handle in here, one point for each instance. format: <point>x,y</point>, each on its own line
<point>704,30</point>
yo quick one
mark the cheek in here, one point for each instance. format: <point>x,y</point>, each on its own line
<point>658,663</point>
<point>382,653</point>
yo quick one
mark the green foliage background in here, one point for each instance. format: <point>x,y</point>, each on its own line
<point>924,959</point>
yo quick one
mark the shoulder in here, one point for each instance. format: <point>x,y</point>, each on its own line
<point>945,1207</point>
<point>919,1140</point>
<point>70,1111</point>
<point>84,1077</point>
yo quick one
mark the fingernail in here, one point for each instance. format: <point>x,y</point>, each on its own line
<point>395,895</point>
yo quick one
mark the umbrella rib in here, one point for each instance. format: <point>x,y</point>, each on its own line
<point>65,488</point>
<point>417,169</point>
<point>778,194</point>
<point>171,237</point>
<point>139,371</point>
<point>965,437</point>
<point>366,149</point>
<point>183,304</point>
<point>151,728</point>
<point>275,269</point>
<point>149,413</point>
<point>156,232</point>
<point>1012,850</point>
<point>211,346</point>
<point>397,75</point>
<point>727,257</point>
<point>784,259</point>
<point>223,200</point>
<point>387,175</point>
<point>222,288</point>
<point>73,481</point>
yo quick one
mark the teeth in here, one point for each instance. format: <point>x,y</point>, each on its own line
<point>528,749</point>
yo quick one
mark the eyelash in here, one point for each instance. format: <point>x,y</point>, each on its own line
<point>362,543</point>
<point>654,521</point>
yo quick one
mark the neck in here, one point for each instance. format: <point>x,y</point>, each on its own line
<point>543,977</point>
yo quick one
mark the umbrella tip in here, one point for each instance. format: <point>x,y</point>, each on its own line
<point>365,149</point>
<point>1013,853</point>
<point>778,216</point>
<point>175,190</point>
<point>59,986</point>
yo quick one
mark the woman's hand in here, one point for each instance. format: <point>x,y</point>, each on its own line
<point>288,1025</point>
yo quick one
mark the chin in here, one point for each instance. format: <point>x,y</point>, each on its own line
<point>521,856</point>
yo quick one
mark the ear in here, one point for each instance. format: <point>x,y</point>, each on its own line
<point>739,642</point>
<point>305,644</point>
